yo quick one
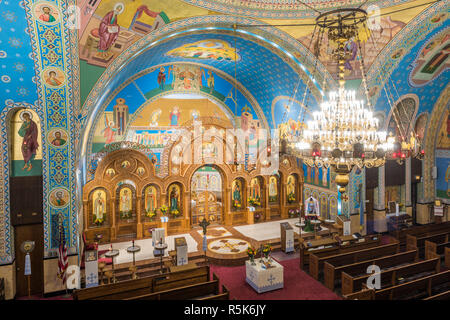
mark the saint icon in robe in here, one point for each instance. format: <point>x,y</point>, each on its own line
<point>53,78</point>
<point>161,78</point>
<point>150,199</point>
<point>174,199</point>
<point>290,188</point>
<point>273,189</point>
<point>108,31</point>
<point>47,15</point>
<point>110,130</point>
<point>59,198</point>
<point>29,132</point>
<point>237,194</point>
<point>125,204</point>
<point>174,116</point>
<point>58,141</point>
<point>99,207</point>
<point>255,189</point>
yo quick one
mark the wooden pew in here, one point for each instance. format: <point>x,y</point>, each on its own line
<point>400,235</point>
<point>447,258</point>
<point>189,292</point>
<point>225,295</point>
<point>419,241</point>
<point>305,251</point>
<point>415,289</point>
<point>389,277</point>
<point>365,294</point>
<point>130,288</point>
<point>332,272</point>
<point>316,263</point>
<point>434,248</point>
<point>440,296</point>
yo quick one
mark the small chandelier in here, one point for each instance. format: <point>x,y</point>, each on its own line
<point>343,133</point>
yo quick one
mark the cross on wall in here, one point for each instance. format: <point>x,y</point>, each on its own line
<point>271,279</point>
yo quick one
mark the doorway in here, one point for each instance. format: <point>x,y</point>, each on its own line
<point>206,196</point>
<point>31,232</point>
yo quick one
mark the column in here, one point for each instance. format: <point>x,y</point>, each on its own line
<point>408,204</point>
<point>186,210</point>
<point>267,213</point>
<point>379,211</point>
<point>139,217</point>
<point>113,219</point>
<point>227,207</point>
<point>86,218</point>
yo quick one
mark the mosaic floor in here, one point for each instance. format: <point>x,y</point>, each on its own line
<point>228,246</point>
<point>217,232</point>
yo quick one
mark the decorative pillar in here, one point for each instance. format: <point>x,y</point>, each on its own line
<point>113,220</point>
<point>408,204</point>
<point>139,217</point>
<point>186,210</point>
<point>379,211</point>
<point>283,192</point>
<point>227,207</point>
<point>86,218</point>
<point>267,206</point>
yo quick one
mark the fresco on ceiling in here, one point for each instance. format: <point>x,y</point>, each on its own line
<point>109,27</point>
<point>402,117</point>
<point>319,177</point>
<point>432,60</point>
<point>289,116</point>
<point>152,109</point>
<point>421,125</point>
<point>371,42</point>
<point>26,144</point>
<point>210,49</point>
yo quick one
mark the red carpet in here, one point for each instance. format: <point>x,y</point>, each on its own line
<point>298,285</point>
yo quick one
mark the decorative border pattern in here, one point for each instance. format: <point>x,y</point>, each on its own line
<point>52,46</point>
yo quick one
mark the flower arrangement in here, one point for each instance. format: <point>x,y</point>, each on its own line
<point>98,221</point>
<point>266,250</point>
<point>255,202</point>
<point>175,212</point>
<point>236,204</point>
<point>251,254</point>
<point>291,197</point>
<point>257,216</point>
<point>163,209</point>
<point>151,214</point>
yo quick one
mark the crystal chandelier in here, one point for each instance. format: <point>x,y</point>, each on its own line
<point>343,133</point>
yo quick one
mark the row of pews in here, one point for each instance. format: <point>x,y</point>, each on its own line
<point>414,265</point>
<point>190,284</point>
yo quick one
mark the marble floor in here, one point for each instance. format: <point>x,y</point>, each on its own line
<point>268,230</point>
<point>147,248</point>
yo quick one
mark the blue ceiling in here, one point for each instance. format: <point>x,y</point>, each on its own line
<point>17,75</point>
<point>428,93</point>
<point>263,73</point>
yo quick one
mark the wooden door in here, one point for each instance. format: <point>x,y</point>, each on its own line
<point>206,206</point>
<point>32,232</point>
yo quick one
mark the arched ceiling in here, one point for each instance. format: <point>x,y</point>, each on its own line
<point>284,9</point>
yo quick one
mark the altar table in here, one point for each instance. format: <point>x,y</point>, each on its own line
<point>261,279</point>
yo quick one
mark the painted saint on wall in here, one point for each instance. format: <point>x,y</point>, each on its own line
<point>29,132</point>
<point>174,199</point>
<point>110,130</point>
<point>273,189</point>
<point>58,141</point>
<point>108,31</point>
<point>125,203</point>
<point>99,206</point>
<point>255,189</point>
<point>290,188</point>
<point>150,199</point>
<point>237,194</point>
<point>174,116</point>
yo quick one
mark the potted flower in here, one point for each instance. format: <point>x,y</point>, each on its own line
<point>236,204</point>
<point>292,213</point>
<point>151,214</point>
<point>291,197</point>
<point>98,221</point>
<point>163,210</point>
<point>254,202</point>
<point>266,250</point>
<point>175,212</point>
<point>251,254</point>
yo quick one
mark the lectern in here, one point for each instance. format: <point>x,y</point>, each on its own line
<point>287,237</point>
<point>182,251</point>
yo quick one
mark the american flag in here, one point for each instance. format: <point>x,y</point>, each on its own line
<point>63,261</point>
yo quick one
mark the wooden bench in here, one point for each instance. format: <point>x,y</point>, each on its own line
<point>434,248</point>
<point>447,257</point>
<point>400,235</point>
<point>336,248</point>
<point>225,295</point>
<point>419,241</point>
<point>365,294</point>
<point>389,277</point>
<point>440,296</point>
<point>332,272</point>
<point>145,285</point>
<point>415,289</point>
<point>316,262</point>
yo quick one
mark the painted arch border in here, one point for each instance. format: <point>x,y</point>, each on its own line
<point>414,32</point>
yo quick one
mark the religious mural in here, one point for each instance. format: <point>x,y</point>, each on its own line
<point>443,158</point>
<point>98,206</point>
<point>174,194</point>
<point>150,200</point>
<point>291,188</point>
<point>26,144</point>
<point>210,49</point>
<point>125,203</point>
<point>255,192</point>
<point>236,194</point>
<point>206,195</point>
<point>273,189</point>
<point>432,60</point>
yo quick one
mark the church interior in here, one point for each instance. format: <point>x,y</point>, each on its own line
<point>225,150</point>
